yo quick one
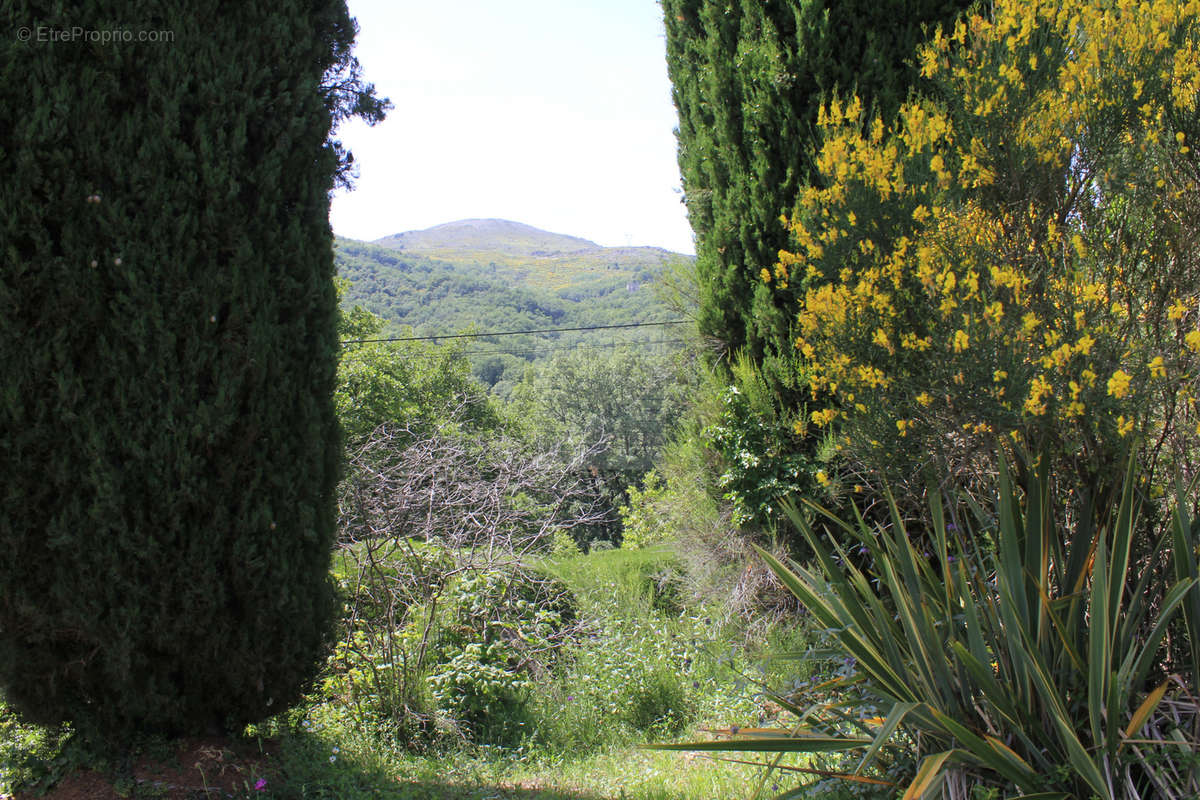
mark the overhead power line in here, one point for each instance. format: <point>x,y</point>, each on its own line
<point>563,347</point>
<point>511,333</point>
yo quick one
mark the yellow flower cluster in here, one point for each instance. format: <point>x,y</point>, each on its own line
<point>992,250</point>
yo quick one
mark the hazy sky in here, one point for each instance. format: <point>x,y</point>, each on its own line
<point>555,113</point>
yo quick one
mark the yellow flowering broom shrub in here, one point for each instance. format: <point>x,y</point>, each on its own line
<point>1019,257</point>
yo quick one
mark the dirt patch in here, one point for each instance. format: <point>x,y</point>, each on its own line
<point>188,769</point>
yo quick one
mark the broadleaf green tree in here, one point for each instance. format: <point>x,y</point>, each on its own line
<point>167,311</point>
<point>622,404</point>
<point>416,386</point>
<point>626,399</point>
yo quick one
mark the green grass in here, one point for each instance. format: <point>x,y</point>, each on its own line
<point>650,668</point>
<point>364,769</point>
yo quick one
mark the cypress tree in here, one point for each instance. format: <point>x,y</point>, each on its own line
<point>748,78</point>
<point>169,447</point>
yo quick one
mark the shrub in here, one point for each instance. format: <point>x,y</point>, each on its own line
<point>379,668</point>
<point>502,630</point>
<point>1016,655</point>
<point>642,523</point>
<point>1016,259</point>
<point>763,460</point>
<point>170,449</point>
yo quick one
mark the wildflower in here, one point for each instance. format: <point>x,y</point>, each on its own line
<point>260,784</point>
<point>822,478</point>
<point>1118,384</point>
<point>1080,247</point>
<point>1192,340</point>
<point>1039,389</point>
<point>1124,426</point>
<point>961,341</point>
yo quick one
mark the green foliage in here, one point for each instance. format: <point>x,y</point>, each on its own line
<point>170,447</point>
<point>434,644</point>
<point>31,757</point>
<point>1018,654</point>
<point>626,399</point>
<point>764,459</point>
<point>642,664</point>
<point>503,631</point>
<point>415,387</point>
<point>642,521</point>
<point>449,291</point>
<point>661,666</point>
<point>748,80</point>
<point>621,404</point>
<point>634,680</point>
<point>1014,259</point>
<point>378,669</point>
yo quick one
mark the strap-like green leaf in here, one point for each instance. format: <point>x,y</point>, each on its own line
<point>782,744</point>
<point>894,718</point>
<point>1145,709</point>
<point>927,776</point>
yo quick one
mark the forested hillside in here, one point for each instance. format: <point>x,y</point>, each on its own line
<point>494,275</point>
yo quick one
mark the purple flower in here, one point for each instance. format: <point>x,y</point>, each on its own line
<point>260,784</point>
<point>570,698</point>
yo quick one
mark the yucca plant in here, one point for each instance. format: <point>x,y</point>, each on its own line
<point>1017,655</point>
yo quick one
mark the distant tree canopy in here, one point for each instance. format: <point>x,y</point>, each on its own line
<point>417,388</point>
<point>749,77</point>
<point>169,447</point>
<point>624,399</point>
<point>620,405</point>
<point>440,296</point>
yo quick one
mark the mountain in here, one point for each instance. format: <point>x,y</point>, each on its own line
<point>486,236</point>
<point>528,255</point>
<point>497,275</point>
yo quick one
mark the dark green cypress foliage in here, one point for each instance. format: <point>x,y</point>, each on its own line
<point>168,444</point>
<point>748,77</point>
